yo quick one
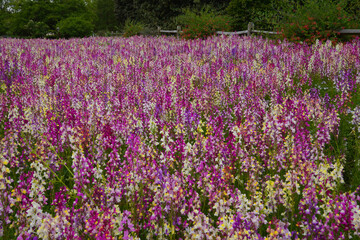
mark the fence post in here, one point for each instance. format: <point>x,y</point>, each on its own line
<point>250,28</point>
<point>178,31</point>
<point>159,31</point>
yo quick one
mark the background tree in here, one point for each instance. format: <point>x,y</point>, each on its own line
<point>35,17</point>
<point>265,14</point>
<point>242,11</point>
<point>203,23</point>
<point>4,16</point>
<point>75,26</point>
<point>160,12</point>
<point>124,10</point>
<point>63,9</point>
<point>26,14</point>
<point>105,15</point>
<point>353,8</point>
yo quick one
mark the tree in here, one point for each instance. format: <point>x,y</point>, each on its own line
<point>353,8</point>
<point>124,10</point>
<point>266,14</point>
<point>75,26</point>
<point>25,11</point>
<point>245,11</point>
<point>33,18</point>
<point>4,16</point>
<point>105,15</point>
<point>160,12</point>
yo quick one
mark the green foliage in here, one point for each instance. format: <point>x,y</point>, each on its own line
<point>4,16</point>
<point>105,15</point>
<point>75,27</point>
<point>353,8</point>
<point>37,29</point>
<point>132,28</point>
<point>316,19</point>
<point>203,23</point>
<point>3,25</point>
<point>256,11</point>
<point>161,13</point>
<point>351,171</point>
<point>62,9</point>
<point>345,145</point>
<point>23,13</point>
<point>29,18</point>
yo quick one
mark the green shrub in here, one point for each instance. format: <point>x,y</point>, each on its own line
<point>132,28</point>
<point>353,8</point>
<point>37,29</point>
<point>260,12</point>
<point>203,23</point>
<point>4,22</point>
<point>75,27</point>
<point>316,19</point>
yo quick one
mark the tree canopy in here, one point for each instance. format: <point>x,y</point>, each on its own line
<point>40,18</point>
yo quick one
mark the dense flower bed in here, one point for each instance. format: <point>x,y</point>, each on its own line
<point>158,138</point>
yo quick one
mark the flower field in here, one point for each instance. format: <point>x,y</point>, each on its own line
<point>159,138</point>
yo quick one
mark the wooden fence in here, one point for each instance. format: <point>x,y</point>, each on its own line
<point>251,30</point>
<point>177,31</point>
<point>350,31</point>
<point>247,32</point>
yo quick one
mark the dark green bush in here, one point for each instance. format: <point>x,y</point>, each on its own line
<point>203,23</point>
<point>75,27</point>
<point>4,22</point>
<point>260,12</point>
<point>132,28</point>
<point>316,19</point>
<point>353,8</point>
<point>37,29</point>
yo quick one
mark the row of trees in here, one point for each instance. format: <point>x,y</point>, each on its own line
<point>71,18</point>
<point>162,12</point>
<point>38,18</point>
